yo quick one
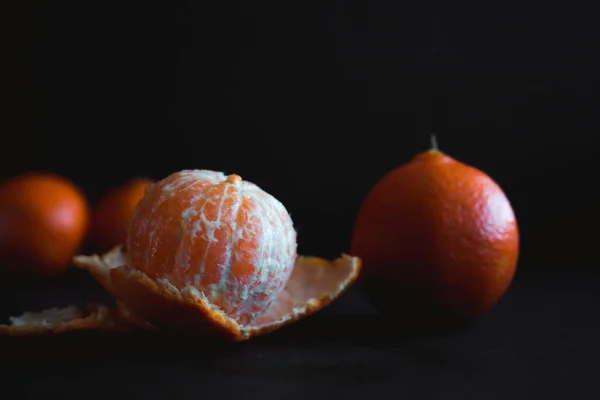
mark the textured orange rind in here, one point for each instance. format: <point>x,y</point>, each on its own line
<point>314,284</point>
<point>92,317</point>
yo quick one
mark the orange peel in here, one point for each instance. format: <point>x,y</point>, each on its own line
<point>314,284</point>
<point>160,301</point>
<point>91,317</point>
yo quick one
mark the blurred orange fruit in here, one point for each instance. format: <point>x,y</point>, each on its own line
<point>211,253</point>
<point>436,235</point>
<point>43,221</point>
<point>113,212</point>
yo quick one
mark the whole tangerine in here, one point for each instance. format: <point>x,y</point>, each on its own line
<point>437,238</point>
<point>113,212</point>
<point>43,222</point>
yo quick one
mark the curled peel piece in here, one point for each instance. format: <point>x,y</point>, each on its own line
<point>92,317</point>
<point>314,284</point>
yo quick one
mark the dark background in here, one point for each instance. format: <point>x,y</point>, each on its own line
<point>314,102</point>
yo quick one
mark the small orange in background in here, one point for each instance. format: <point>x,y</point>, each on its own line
<point>437,238</point>
<point>113,212</point>
<point>43,222</point>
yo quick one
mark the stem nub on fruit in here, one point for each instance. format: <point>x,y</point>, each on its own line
<point>434,143</point>
<point>233,179</point>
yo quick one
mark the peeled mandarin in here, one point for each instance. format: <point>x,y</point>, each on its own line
<point>224,236</point>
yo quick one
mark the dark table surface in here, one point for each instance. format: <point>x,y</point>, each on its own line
<point>539,342</point>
